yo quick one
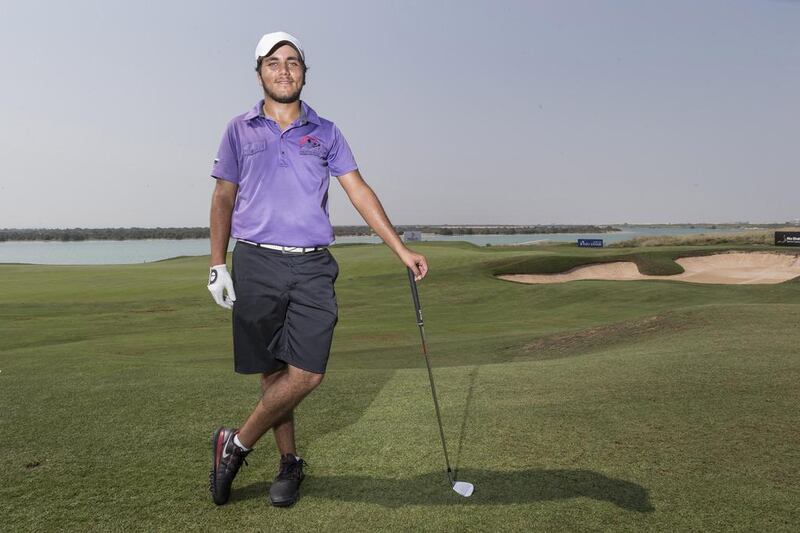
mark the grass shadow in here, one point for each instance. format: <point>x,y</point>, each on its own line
<point>473,374</point>
<point>341,404</point>
<point>491,488</point>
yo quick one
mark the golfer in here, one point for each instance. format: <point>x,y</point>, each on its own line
<point>271,195</point>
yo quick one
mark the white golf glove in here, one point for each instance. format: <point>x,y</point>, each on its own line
<point>220,282</point>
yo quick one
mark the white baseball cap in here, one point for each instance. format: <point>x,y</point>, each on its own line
<point>268,42</point>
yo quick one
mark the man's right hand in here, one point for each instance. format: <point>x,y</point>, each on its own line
<point>416,262</point>
<point>219,283</point>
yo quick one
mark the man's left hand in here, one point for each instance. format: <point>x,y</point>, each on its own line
<point>416,262</point>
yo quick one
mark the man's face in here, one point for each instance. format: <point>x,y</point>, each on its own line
<point>281,75</point>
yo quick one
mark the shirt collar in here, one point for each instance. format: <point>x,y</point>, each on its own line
<point>306,113</point>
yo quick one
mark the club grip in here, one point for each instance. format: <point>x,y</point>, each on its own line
<point>414,295</point>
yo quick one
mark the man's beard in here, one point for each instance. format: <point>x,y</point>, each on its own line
<point>288,99</point>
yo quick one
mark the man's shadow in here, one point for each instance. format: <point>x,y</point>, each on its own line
<point>491,488</point>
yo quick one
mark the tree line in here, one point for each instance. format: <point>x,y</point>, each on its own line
<point>121,234</point>
<point>514,230</point>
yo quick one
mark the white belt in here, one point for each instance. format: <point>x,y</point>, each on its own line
<point>285,249</point>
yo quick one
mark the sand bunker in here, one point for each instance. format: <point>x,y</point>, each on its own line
<point>730,268</point>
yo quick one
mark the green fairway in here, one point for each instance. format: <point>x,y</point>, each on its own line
<point>590,405</point>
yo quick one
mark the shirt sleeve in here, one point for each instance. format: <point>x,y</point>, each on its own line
<point>226,164</point>
<point>340,157</point>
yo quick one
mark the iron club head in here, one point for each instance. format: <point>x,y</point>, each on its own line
<point>463,488</point>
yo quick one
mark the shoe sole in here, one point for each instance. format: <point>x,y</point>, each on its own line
<point>287,503</point>
<point>213,474</point>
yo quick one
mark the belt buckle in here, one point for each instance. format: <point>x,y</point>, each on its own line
<point>294,250</point>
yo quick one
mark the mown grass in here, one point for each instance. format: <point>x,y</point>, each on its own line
<point>589,405</point>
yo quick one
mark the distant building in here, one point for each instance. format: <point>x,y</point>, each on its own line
<point>409,236</point>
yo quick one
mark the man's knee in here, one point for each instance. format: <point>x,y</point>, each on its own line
<point>267,379</point>
<point>305,379</point>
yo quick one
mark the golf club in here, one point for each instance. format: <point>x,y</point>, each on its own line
<point>462,487</point>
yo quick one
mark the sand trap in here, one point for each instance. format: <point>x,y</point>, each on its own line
<point>735,268</point>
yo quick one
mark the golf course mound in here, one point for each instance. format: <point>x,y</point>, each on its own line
<point>736,268</point>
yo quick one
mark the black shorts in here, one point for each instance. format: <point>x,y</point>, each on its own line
<point>285,309</point>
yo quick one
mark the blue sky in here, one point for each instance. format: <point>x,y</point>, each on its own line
<point>457,112</point>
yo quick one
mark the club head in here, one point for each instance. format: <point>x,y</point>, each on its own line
<point>463,488</point>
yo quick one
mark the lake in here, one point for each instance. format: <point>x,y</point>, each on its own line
<point>143,251</point>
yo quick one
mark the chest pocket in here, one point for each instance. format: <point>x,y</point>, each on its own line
<point>253,148</point>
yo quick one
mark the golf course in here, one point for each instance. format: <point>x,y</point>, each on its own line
<point>639,405</point>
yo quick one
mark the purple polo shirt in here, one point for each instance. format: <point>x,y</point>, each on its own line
<point>283,176</point>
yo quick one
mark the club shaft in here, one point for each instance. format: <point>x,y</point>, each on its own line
<point>418,309</point>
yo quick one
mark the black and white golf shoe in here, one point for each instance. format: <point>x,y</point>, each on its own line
<point>285,489</point>
<point>226,459</point>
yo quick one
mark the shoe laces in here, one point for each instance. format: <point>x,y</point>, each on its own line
<point>292,469</point>
<point>238,455</point>
<point>241,457</point>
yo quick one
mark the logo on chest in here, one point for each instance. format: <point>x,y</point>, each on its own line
<point>310,145</point>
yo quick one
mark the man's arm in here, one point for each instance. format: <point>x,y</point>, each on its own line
<point>220,224</point>
<point>220,284</point>
<point>367,204</point>
<point>222,202</point>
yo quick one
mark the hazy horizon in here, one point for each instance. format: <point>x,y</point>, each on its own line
<point>459,113</point>
<point>472,225</point>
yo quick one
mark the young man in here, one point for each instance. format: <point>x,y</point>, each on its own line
<point>271,195</point>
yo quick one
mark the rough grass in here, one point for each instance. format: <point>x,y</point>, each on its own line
<point>658,261</point>
<point>758,237</point>
<point>582,406</point>
<point>578,342</point>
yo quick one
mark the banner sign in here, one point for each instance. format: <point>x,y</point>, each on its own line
<point>787,238</point>
<point>594,243</point>
<point>409,236</point>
